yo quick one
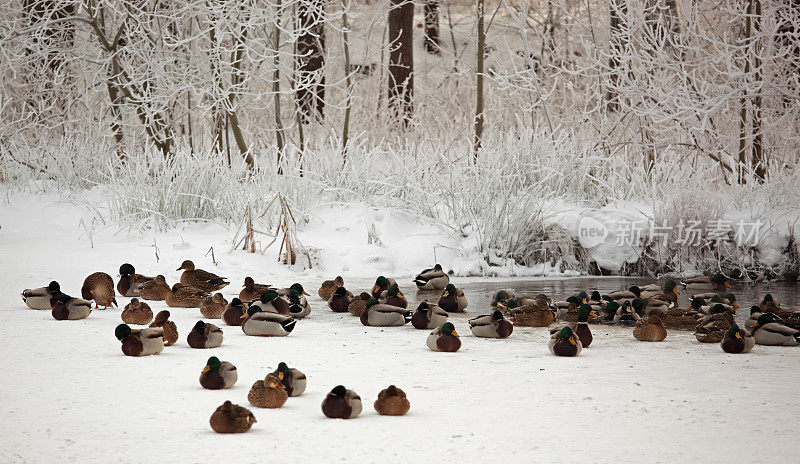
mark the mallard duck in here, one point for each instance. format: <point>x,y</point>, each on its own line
<point>772,306</point>
<point>170,329</point>
<point>650,290</point>
<point>262,324</point>
<point>198,278</point>
<point>392,402</point>
<point>329,286</point>
<point>668,296</point>
<point>626,315</point>
<point>252,291</point>
<point>767,331</point>
<point>213,306</point>
<point>718,300</point>
<point>268,393</point>
<point>381,315</point>
<point>233,312</point>
<point>204,335</point>
<point>381,284</point>
<point>610,311</point>
<point>393,297</point>
<point>582,325</point>
<point>645,307</point>
<point>142,342</point>
<point>232,418</point>
<point>444,338</point>
<point>270,302</point>
<point>531,315</point>
<point>501,297</point>
<point>185,296</point>
<point>129,281</point>
<point>296,287</point>
<point>491,325</point>
<point>622,295</point>
<point>453,299</point>
<point>358,305</point>
<point>42,298</point>
<point>432,279</point>
<point>564,342</point>
<point>650,328</point>
<point>769,304</point>
<point>292,379</point>
<point>298,305</point>
<point>428,316</point>
<point>155,290</point>
<point>137,312</point>
<point>716,282</point>
<point>68,308</point>
<point>567,310</point>
<point>737,340</point>
<point>340,300</point>
<point>684,319</point>
<point>341,403</point>
<point>218,374</point>
<point>100,288</point>
<point>712,328</point>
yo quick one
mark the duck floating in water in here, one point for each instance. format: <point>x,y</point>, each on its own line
<point>716,282</point>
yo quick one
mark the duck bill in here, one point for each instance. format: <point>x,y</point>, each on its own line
<point>455,334</point>
<point>206,369</point>
<point>243,316</point>
<point>676,290</point>
<point>572,340</point>
<point>375,289</point>
<point>727,285</point>
<point>304,293</point>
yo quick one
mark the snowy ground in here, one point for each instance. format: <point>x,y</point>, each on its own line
<point>69,394</point>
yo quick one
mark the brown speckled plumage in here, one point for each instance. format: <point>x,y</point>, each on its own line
<point>329,286</point>
<point>155,290</point>
<point>137,312</point>
<point>204,280</point>
<point>232,418</point>
<point>268,393</point>
<point>392,401</point>
<point>100,288</point>
<point>213,306</point>
<point>169,327</point>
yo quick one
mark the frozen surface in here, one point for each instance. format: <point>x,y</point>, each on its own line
<point>70,395</point>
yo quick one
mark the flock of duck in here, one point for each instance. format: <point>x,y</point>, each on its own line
<point>267,311</point>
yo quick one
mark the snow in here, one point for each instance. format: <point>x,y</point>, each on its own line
<point>69,394</point>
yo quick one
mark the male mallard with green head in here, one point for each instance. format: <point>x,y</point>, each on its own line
<point>42,298</point>
<point>271,302</point>
<point>341,403</point>
<point>129,281</point>
<point>142,342</point>
<point>298,304</point>
<point>218,374</point>
<point>428,316</point>
<point>453,299</point>
<point>564,342</point>
<point>262,324</point>
<point>393,297</point>
<point>432,279</point>
<point>768,331</point>
<point>198,278</point>
<point>204,335</point>
<point>392,401</point>
<point>381,284</point>
<point>68,308</point>
<point>100,288</point>
<point>292,379</point>
<point>737,340</point>
<point>444,338</point>
<point>491,325</point>
<point>626,315</point>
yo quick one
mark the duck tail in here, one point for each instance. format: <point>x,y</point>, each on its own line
<point>288,325</point>
<point>407,316</point>
<point>607,298</point>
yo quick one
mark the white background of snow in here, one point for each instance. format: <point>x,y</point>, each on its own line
<point>70,395</point>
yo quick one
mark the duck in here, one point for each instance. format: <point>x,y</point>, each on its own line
<point>185,296</point>
<point>712,328</point>
<point>358,305</point>
<point>650,328</point>
<point>154,290</point>
<point>252,291</point>
<point>669,295</point>
<point>168,327</point>
<point>198,278</point>
<point>143,342</point>
<point>204,335</point>
<point>341,403</point>
<point>213,306</point>
<point>610,311</point>
<point>393,297</point>
<point>329,286</point>
<point>381,284</point>
<point>428,316</point>
<point>129,281</point>
<point>233,312</point>
<point>501,297</point>
<point>232,418</point>
<point>382,315</point>
<point>137,313</point>
<point>296,287</point>
<point>737,340</point>
<point>71,309</point>
<point>650,290</point>
<point>716,282</point>
<point>596,301</point>
<point>768,331</point>
<point>432,279</point>
<point>99,287</point>
<point>444,338</point>
<point>626,315</point>
<point>684,319</point>
<point>718,300</point>
<point>263,324</point>
<point>42,298</point>
<point>268,393</point>
<point>491,325</point>
<point>581,327</point>
<point>621,295</point>
<point>567,310</point>
<point>392,401</point>
<point>218,375</point>
<point>298,305</point>
<point>292,379</point>
<point>270,302</point>
<point>531,315</point>
<point>769,304</point>
<point>340,300</point>
<point>453,299</point>
<point>564,342</point>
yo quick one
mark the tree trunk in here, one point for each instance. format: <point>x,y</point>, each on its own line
<point>757,159</point>
<point>54,37</point>
<point>481,53</point>
<point>310,79</point>
<point>617,45</point>
<point>401,59</point>
<point>432,27</point>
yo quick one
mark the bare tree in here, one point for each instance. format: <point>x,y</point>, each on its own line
<point>401,58</point>
<point>431,42</point>
<point>310,80</point>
